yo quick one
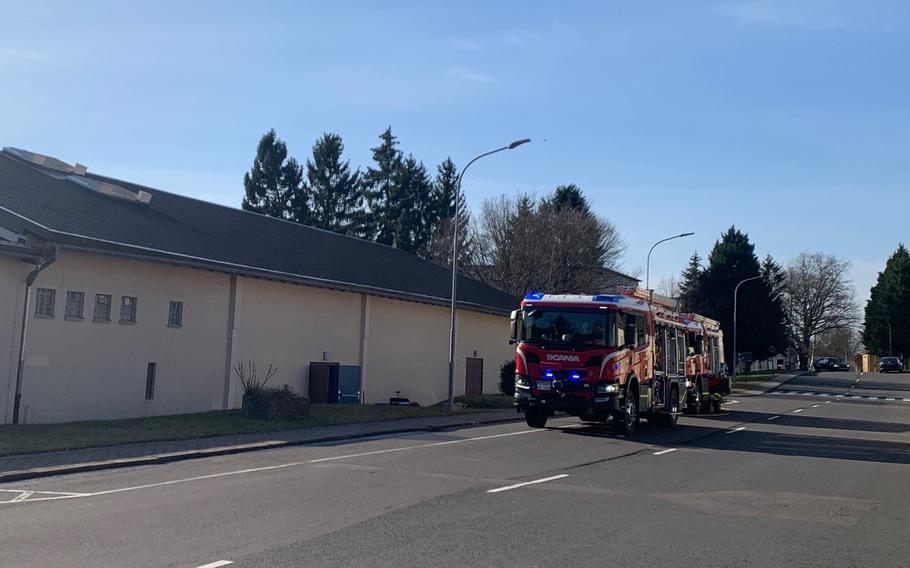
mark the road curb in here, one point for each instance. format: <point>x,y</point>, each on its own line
<point>170,457</point>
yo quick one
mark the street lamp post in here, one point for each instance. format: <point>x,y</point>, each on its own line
<point>648,269</point>
<point>735,297</point>
<point>450,403</point>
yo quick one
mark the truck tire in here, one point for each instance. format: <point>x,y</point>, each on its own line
<point>536,418</point>
<point>694,402</point>
<point>670,420</point>
<point>717,406</point>
<point>626,419</point>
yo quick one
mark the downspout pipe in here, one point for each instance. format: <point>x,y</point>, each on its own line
<point>20,369</point>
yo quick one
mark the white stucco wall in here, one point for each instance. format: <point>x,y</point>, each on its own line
<point>79,370</point>
<point>290,326</point>
<point>409,350</point>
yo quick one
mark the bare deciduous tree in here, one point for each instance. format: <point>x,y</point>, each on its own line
<point>524,245</point>
<point>668,286</point>
<point>845,342</point>
<point>819,299</point>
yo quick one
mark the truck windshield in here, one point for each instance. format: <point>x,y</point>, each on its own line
<point>575,328</point>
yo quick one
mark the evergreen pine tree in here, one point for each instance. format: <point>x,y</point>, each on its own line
<point>570,197</point>
<point>444,192</point>
<point>274,181</point>
<point>689,284</point>
<point>887,321</point>
<point>381,190</point>
<point>761,324</point>
<point>334,190</point>
<point>415,207</point>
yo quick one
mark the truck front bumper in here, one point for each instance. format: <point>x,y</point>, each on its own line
<point>566,402</point>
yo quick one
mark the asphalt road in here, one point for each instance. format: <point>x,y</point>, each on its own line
<point>784,479</point>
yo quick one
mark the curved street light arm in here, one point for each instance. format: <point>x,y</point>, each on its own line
<point>735,299</point>
<point>648,269</point>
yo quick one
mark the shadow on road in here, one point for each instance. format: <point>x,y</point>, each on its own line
<point>801,421</point>
<point>765,442</point>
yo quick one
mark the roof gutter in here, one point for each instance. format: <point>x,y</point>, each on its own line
<point>20,369</point>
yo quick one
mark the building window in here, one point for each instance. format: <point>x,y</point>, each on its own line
<point>128,309</point>
<point>44,302</point>
<point>74,303</point>
<point>102,308</point>
<point>175,314</point>
<point>150,381</point>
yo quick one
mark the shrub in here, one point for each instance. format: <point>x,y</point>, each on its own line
<point>507,378</point>
<point>269,403</point>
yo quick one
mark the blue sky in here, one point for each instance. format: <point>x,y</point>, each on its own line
<point>789,119</point>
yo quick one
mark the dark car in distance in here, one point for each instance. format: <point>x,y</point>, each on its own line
<point>831,364</point>
<point>890,365</point>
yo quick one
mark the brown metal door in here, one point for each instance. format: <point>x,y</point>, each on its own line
<point>473,380</point>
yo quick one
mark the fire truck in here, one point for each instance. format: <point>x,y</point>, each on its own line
<point>614,357</point>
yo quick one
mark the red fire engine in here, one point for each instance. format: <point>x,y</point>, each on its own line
<point>614,356</point>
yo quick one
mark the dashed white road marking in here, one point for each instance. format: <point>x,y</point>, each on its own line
<point>733,431</point>
<point>827,402</point>
<point>798,410</point>
<point>770,418</point>
<point>732,402</point>
<point>217,564</point>
<point>815,405</point>
<point>662,452</point>
<point>526,483</point>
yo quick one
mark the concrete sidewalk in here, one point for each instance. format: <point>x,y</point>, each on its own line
<point>30,466</point>
<point>766,386</point>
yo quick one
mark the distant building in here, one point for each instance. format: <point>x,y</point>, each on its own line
<point>613,281</point>
<point>141,302</point>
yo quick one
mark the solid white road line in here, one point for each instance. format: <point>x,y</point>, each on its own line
<point>431,445</point>
<point>773,418</point>
<point>798,410</point>
<point>660,453</point>
<point>535,482</point>
<point>55,497</point>
<point>216,564</point>
<point>741,428</point>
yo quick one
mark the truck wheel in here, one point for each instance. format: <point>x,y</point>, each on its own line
<point>627,419</point>
<point>718,406</point>
<point>536,418</point>
<point>670,420</point>
<point>693,401</point>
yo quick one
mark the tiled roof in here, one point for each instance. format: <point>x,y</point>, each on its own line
<point>189,231</point>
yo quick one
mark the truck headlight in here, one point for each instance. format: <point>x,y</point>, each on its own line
<point>607,388</point>
<point>522,382</point>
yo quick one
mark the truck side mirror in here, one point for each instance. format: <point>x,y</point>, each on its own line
<point>513,326</point>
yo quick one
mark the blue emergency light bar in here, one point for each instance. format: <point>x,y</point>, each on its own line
<point>535,296</point>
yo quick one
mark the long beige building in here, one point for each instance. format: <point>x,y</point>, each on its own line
<point>139,302</point>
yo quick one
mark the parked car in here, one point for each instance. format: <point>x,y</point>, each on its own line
<point>890,364</point>
<point>830,364</point>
